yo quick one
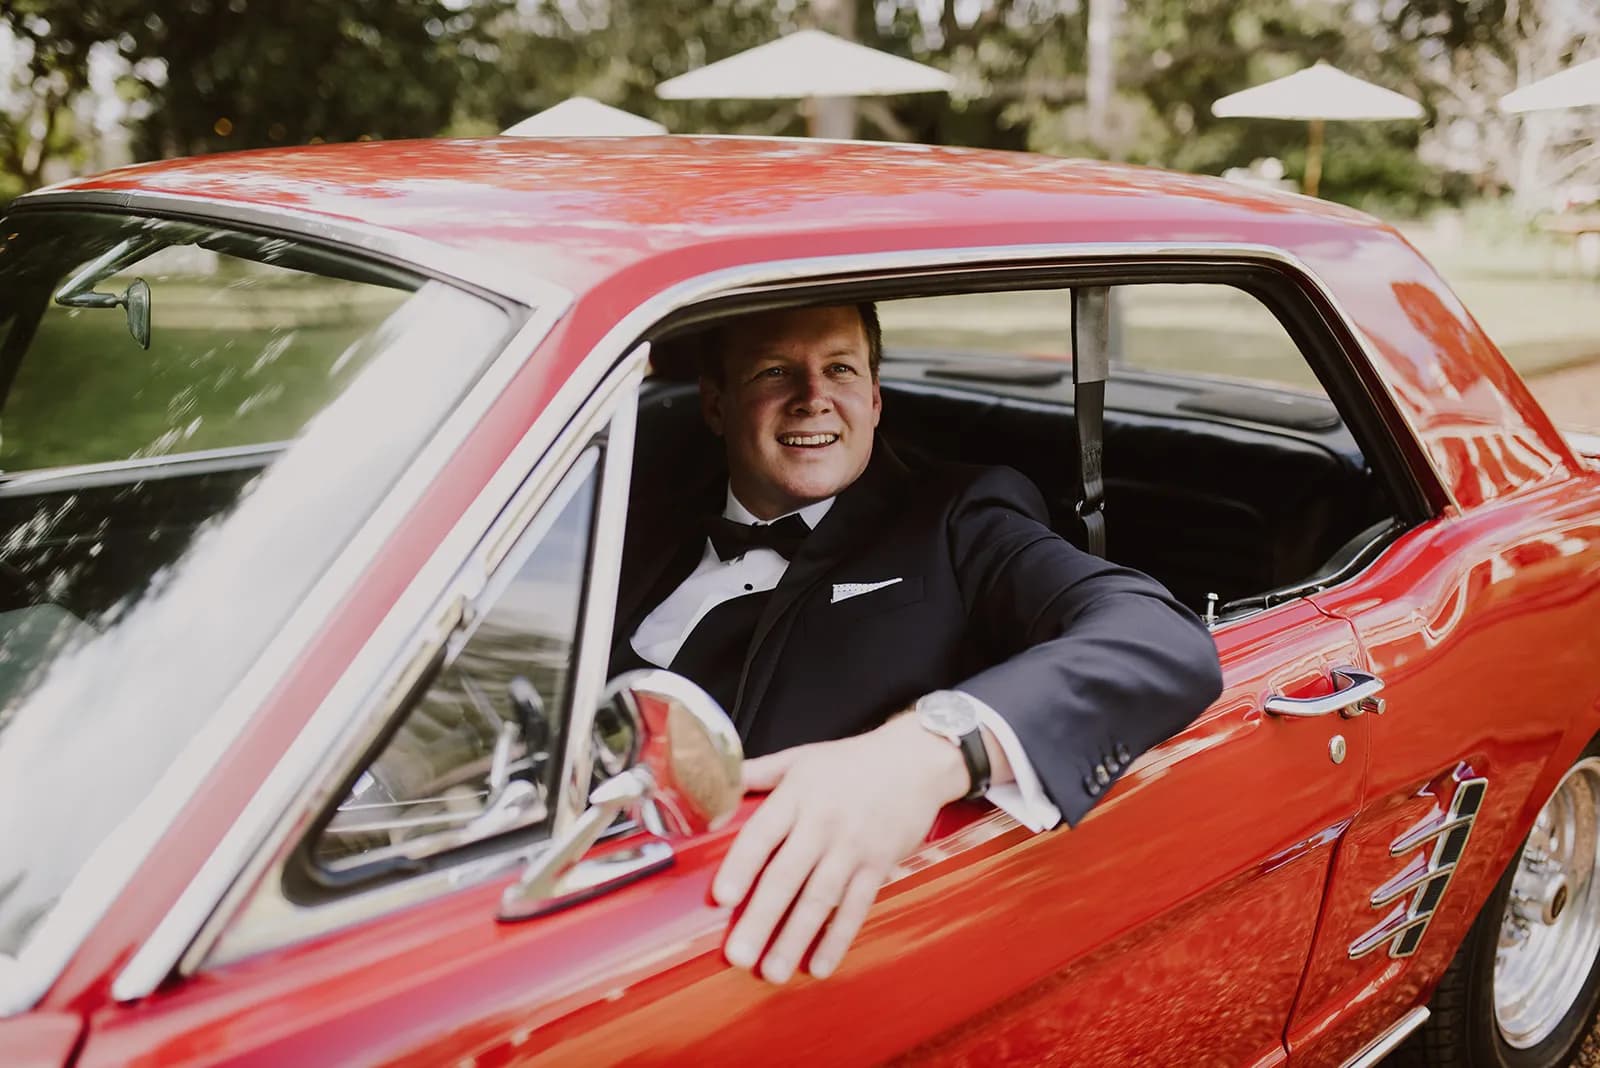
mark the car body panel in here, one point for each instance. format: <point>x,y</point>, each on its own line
<point>41,1039</point>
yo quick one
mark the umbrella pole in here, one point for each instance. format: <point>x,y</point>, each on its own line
<point>1314,159</point>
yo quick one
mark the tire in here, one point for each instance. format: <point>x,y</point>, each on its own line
<point>1550,991</point>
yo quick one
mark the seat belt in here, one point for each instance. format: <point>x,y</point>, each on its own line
<point>1091,364</point>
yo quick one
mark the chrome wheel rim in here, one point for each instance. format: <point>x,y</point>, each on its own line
<point>1550,933</point>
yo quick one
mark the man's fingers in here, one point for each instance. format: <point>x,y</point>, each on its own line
<point>774,893</point>
<point>847,920</point>
<point>761,834</point>
<point>822,893</point>
<point>765,773</point>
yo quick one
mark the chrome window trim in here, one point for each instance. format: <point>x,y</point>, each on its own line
<point>150,467</point>
<point>762,278</point>
<point>110,868</point>
<point>605,566</point>
<point>474,269</point>
<point>193,925</point>
<point>254,914</point>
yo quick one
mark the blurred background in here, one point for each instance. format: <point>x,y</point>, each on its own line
<point>1507,204</point>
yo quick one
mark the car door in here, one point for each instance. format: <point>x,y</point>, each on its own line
<point>1171,926</point>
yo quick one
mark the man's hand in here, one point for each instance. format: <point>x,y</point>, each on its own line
<point>840,816</point>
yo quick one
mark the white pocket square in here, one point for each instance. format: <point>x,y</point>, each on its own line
<point>843,591</point>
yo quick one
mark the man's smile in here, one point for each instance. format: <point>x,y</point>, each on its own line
<point>807,441</point>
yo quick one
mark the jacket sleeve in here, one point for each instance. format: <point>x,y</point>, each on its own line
<point>1093,663</point>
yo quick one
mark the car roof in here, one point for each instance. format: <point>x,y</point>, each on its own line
<point>574,211</point>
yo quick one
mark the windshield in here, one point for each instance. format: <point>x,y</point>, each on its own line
<point>193,422</point>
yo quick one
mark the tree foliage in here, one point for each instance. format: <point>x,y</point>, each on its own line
<point>247,73</point>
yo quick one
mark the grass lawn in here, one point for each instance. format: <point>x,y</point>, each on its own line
<point>227,365</point>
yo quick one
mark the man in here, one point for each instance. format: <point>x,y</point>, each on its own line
<point>840,589</point>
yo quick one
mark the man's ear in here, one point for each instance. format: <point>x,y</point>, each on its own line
<point>877,401</point>
<point>711,403</point>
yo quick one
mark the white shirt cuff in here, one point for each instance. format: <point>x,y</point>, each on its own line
<point>1024,800</point>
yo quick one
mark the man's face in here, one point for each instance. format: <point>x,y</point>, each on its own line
<point>797,406</point>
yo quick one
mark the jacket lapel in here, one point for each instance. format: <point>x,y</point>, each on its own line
<point>659,556</point>
<point>854,518</point>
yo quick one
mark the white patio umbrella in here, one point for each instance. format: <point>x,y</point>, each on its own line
<point>1574,87</point>
<point>804,65</point>
<point>579,116</point>
<point>1317,94</point>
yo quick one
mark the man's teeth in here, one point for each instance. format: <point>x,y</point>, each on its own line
<point>808,439</point>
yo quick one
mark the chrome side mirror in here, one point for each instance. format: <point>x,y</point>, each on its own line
<point>673,759</point>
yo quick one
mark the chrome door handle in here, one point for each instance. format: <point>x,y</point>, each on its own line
<point>1360,694</point>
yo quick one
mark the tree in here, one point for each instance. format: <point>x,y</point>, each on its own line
<point>48,45</point>
<point>248,73</point>
<point>1467,54</point>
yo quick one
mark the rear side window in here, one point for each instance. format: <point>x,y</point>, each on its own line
<point>1206,329</point>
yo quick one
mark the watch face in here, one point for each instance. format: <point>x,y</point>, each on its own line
<point>948,714</point>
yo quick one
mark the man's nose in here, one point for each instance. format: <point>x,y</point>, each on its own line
<point>811,393</point>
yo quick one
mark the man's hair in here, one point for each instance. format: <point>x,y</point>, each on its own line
<point>711,352</point>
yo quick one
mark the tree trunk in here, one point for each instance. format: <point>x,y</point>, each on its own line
<point>834,116</point>
<point>1102,65</point>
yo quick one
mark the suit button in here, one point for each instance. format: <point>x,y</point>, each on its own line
<point>1102,776</point>
<point>1123,754</point>
<point>1091,787</point>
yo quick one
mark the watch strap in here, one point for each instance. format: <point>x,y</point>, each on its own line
<point>977,761</point>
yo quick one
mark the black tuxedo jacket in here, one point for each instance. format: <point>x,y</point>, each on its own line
<point>1089,663</point>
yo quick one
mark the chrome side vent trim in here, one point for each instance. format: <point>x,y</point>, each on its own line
<point>1421,884</point>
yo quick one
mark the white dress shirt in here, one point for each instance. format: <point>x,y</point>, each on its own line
<point>715,580</point>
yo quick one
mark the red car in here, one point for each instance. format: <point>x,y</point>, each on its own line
<point>318,470</point>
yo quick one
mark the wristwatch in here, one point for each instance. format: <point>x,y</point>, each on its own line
<point>953,715</point>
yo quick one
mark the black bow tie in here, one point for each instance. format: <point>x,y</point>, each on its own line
<point>730,538</point>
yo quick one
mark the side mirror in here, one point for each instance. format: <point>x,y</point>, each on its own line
<point>674,760</point>
<point>135,302</point>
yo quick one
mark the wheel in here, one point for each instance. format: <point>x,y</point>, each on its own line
<point>1523,990</point>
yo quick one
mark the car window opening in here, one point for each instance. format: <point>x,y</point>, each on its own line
<point>1230,475</point>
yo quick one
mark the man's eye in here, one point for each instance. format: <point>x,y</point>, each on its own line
<point>843,369</point>
<point>770,372</point>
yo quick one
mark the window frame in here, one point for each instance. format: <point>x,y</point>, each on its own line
<point>1325,336</point>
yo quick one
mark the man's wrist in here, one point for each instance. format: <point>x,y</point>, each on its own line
<point>957,718</point>
<point>946,769</point>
